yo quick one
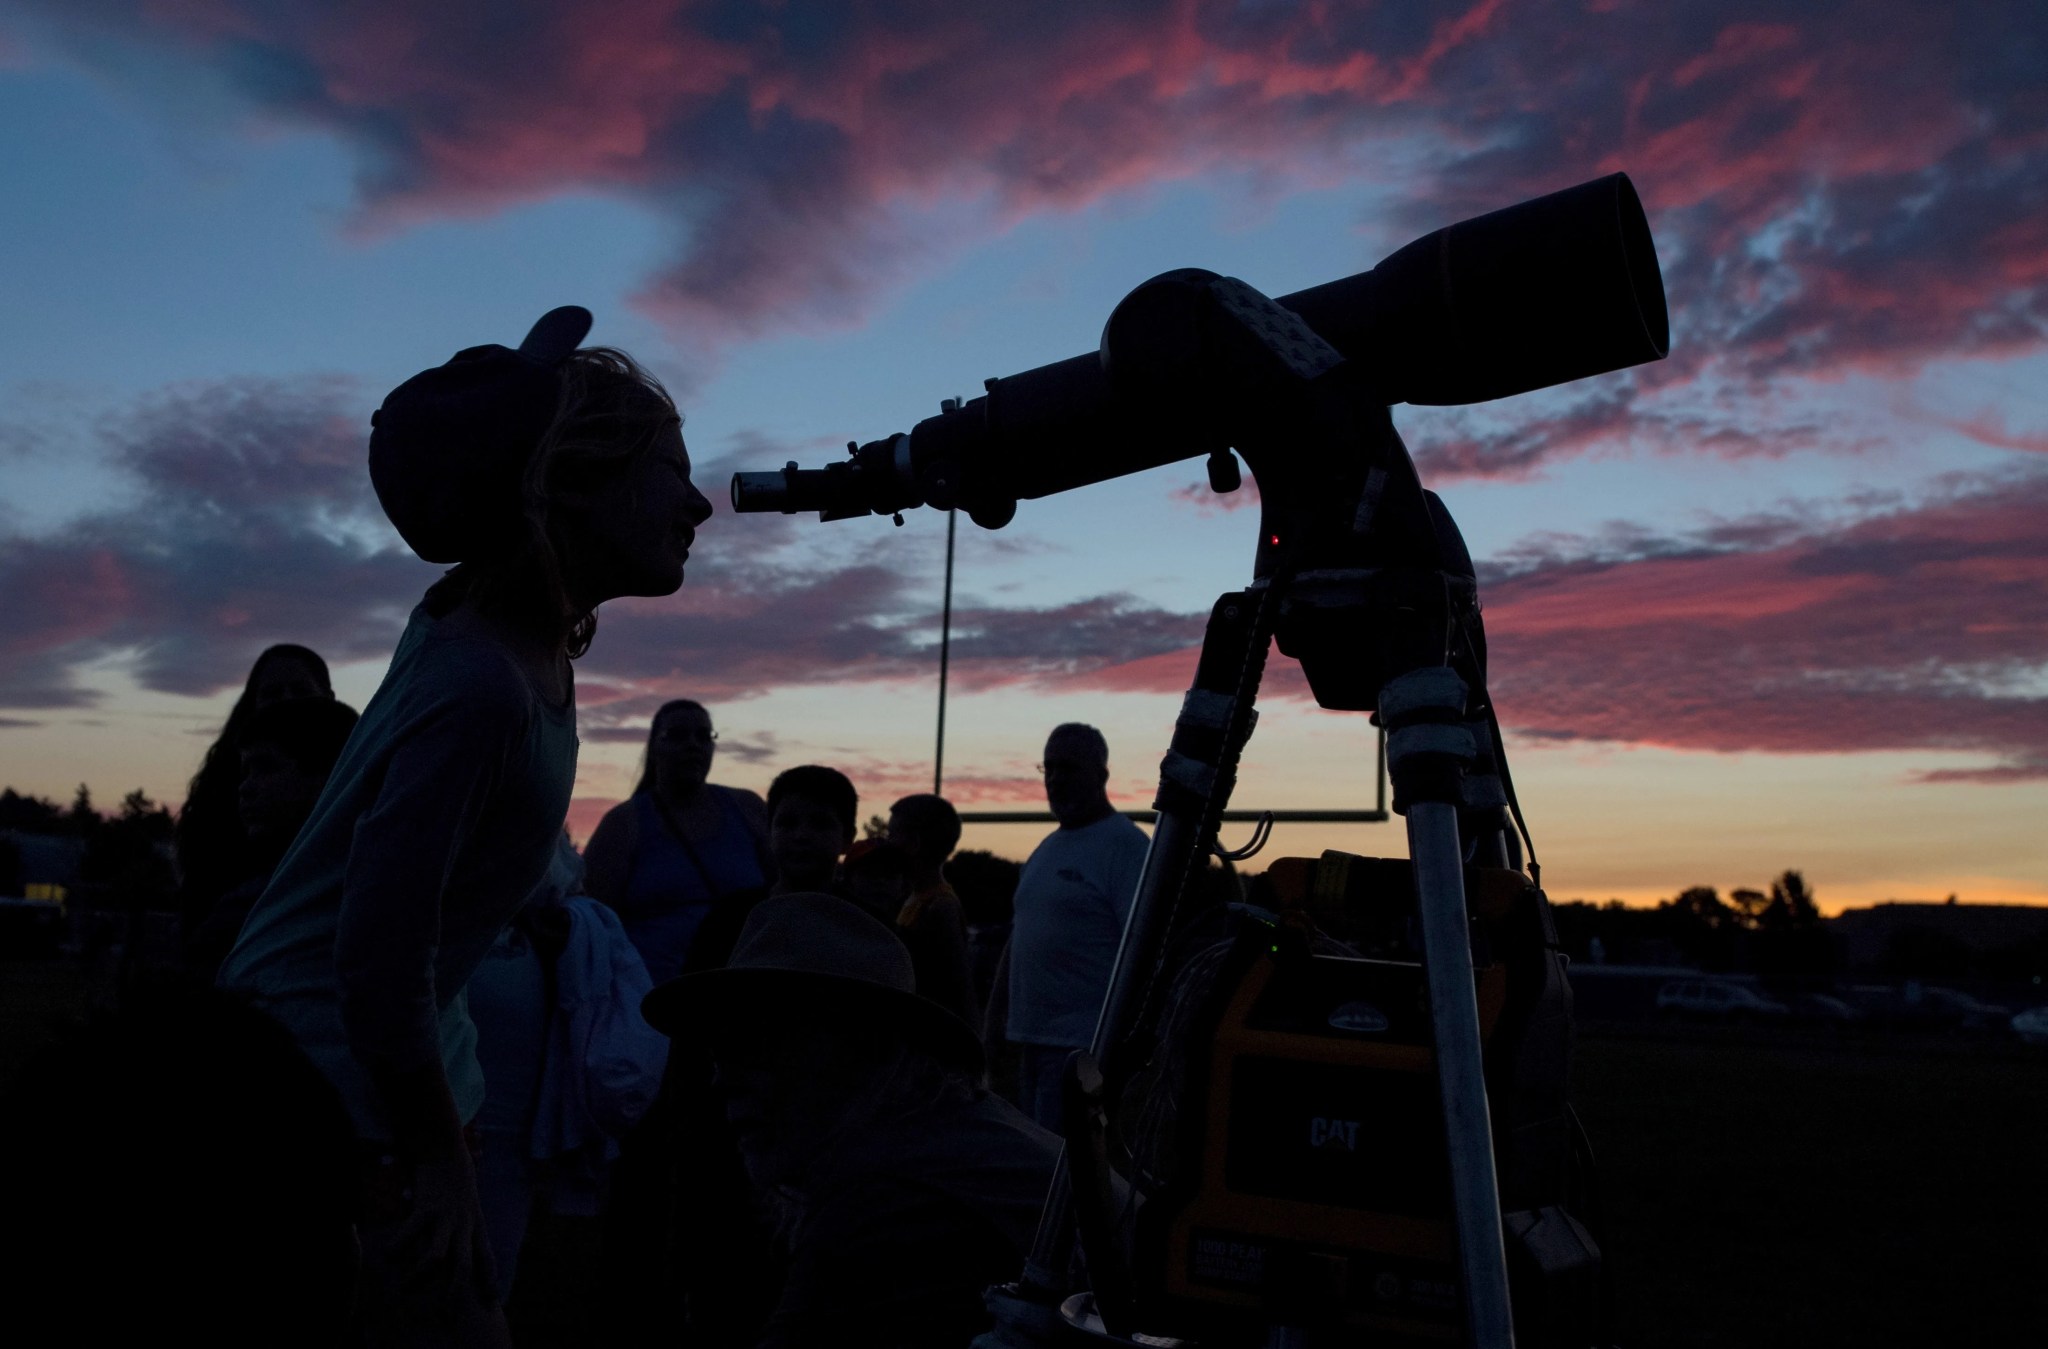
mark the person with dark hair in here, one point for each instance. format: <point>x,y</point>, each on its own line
<point>286,751</point>
<point>667,855</point>
<point>179,1174</point>
<point>928,828</point>
<point>811,813</point>
<point>811,823</point>
<point>931,922</point>
<point>900,1188</point>
<point>212,849</point>
<point>555,478</point>
<point>1071,903</point>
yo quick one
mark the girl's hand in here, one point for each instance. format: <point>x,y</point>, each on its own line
<point>443,1230</point>
<point>434,1251</point>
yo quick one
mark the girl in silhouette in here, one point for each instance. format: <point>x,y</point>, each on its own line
<point>555,478</point>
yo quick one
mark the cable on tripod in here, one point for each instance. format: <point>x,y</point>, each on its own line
<point>1500,758</point>
<point>1507,786</point>
<point>1262,833</point>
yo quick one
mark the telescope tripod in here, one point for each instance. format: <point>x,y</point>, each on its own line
<point>1373,592</point>
<point>1432,752</point>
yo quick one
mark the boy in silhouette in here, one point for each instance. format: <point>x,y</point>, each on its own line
<point>925,829</point>
<point>811,813</point>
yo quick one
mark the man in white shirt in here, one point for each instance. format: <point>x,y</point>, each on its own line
<point>1071,903</point>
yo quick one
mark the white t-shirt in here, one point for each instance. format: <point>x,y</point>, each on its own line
<point>1071,903</point>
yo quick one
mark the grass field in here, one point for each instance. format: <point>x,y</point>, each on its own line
<point>1761,1188</point>
<point>1765,1192</point>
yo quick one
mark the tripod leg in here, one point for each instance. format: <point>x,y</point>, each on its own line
<point>1454,1017</point>
<point>1430,750</point>
<point>1195,783</point>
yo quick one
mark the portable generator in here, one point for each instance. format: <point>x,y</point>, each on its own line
<point>1309,1183</point>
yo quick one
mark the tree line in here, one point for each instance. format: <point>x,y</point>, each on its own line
<point>1776,931</point>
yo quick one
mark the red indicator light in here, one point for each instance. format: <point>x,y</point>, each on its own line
<point>1276,540</point>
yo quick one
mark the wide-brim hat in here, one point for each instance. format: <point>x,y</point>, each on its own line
<point>450,446</point>
<point>811,956</point>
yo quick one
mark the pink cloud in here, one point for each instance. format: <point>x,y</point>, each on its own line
<point>254,521</point>
<point>1922,628</point>
<point>1852,187</point>
<point>1919,628</point>
<point>1990,428</point>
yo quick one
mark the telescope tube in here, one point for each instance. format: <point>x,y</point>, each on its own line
<point>1554,289</point>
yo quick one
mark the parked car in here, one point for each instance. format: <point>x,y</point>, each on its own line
<point>1918,1007</point>
<point>1716,998</point>
<point>1963,1012</point>
<point>1821,1007</point>
<point>2032,1025</point>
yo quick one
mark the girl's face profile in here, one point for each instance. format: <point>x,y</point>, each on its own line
<point>630,534</point>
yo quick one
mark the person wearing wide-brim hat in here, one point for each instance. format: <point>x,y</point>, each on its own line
<point>554,476</point>
<point>905,1188</point>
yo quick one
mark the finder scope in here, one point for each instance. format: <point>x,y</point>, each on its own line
<point>1555,289</point>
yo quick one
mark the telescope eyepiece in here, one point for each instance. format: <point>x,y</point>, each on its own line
<point>875,479</point>
<point>762,492</point>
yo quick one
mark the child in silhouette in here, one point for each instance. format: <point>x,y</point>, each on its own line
<point>213,849</point>
<point>555,478</point>
<point>811,812</point>
<point>931,921</point>
<point>285,750</point>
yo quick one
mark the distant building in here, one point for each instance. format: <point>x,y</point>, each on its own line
<point>1867,935</point>
<point>48,863</point>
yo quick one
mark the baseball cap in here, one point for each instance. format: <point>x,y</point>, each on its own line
<point>450,446</point>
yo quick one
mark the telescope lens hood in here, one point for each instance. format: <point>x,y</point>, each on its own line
<point>1551,290</point>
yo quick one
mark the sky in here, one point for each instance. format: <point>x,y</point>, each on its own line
<point>1779,601</point>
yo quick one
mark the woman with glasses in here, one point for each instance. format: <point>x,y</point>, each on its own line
<point>679,845</point>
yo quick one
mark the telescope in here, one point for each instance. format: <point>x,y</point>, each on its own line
<point>1552,290</point>
<point>1278,1222</point>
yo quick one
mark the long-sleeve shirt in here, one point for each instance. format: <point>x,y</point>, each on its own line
<point>437,822</point>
